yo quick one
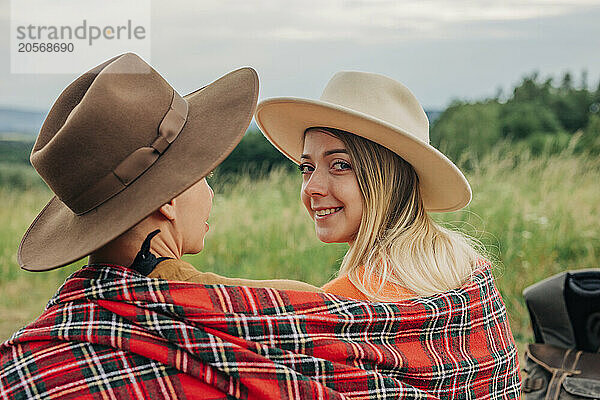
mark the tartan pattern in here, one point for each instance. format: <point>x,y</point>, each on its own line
<point>110,333</point>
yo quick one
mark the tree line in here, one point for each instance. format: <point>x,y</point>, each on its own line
<point>542,115</point>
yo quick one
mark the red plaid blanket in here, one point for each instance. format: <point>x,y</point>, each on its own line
<point>110,333</point>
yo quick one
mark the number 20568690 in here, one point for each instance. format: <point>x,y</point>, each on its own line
<point>45,47</point>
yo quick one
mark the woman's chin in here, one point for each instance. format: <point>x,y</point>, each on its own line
<point>328,238</point>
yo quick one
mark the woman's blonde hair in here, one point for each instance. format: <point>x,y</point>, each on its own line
<point>397,240</point>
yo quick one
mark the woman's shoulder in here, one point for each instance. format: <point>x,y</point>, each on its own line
<point>342,286</point>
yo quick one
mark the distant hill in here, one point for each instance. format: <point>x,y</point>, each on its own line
<point>26,122</point>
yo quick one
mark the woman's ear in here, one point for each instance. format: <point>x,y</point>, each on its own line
<point>168,210</point>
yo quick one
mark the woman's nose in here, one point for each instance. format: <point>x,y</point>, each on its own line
<point>316,184</point>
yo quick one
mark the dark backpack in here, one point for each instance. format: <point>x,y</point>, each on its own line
<point>564,362</point>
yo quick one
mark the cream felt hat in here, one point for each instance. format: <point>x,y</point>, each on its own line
<point>379,109</point>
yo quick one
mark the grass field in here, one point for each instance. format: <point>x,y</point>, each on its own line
<point>536,216</point>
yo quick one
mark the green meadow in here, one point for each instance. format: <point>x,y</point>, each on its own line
<point>536,216</point>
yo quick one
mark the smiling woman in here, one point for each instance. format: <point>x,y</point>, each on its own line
<point>369,178</point>
<point>363,194</point>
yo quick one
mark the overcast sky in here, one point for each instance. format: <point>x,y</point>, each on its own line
<point>440,49</point>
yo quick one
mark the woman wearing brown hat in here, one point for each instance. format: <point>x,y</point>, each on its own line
<point>126,157</point>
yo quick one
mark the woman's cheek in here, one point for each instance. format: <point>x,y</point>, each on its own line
<point>306,201</point>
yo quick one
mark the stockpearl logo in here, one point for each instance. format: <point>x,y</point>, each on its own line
<point>68,36</point>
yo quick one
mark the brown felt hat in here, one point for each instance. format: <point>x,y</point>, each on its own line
<point>118,143</point>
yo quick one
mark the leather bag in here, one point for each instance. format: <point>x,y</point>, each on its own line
<point>556,373</point>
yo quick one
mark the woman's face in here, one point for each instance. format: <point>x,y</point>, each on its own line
<point>193,209</point>
<point>330,190</point>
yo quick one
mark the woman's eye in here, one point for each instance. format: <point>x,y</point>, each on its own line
<point>341,166</point>
<point>305,168</point>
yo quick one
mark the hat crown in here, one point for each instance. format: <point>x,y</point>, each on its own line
<point>381,97</point>
<point>97,121</point>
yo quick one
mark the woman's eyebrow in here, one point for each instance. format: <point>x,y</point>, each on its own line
<point>330,152</point>
<point>326,153</point>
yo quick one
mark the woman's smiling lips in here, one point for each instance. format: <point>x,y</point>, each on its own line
<point>322,213</point>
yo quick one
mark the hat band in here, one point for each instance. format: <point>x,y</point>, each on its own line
<point>136,163</point>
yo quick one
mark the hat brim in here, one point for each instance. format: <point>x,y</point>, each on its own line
<point>284,120</point>
<point>218,117</point>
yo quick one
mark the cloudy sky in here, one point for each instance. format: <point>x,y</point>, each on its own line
<point>440,49</point>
